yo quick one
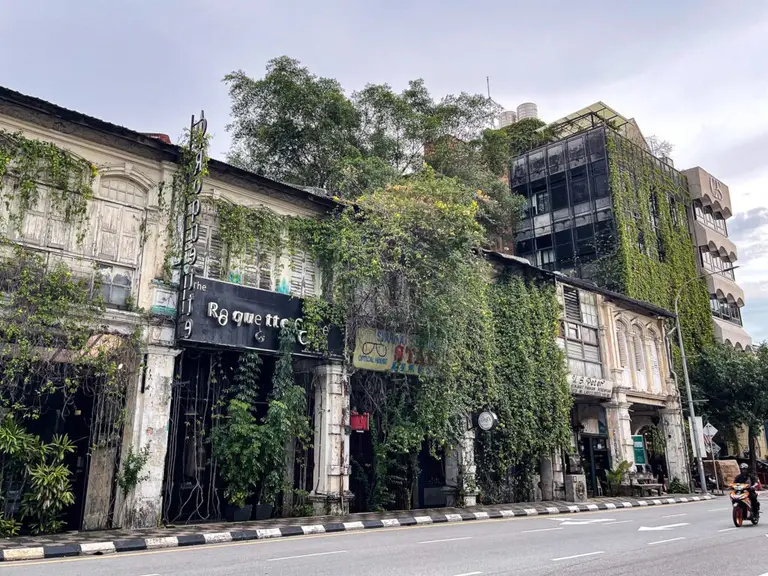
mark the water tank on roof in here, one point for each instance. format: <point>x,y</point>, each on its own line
<point>507,117</point>
<point>527,110</point>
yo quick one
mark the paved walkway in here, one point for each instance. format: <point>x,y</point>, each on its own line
<point>123,540</point>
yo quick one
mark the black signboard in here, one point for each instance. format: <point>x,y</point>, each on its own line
<point>235,316</point>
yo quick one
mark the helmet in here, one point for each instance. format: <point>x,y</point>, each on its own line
<point>743,466</point>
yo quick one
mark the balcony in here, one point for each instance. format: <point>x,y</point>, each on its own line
<point>725,288</point>
<point>732,334</point>
<point>709,190</point>
<point>715,241</point>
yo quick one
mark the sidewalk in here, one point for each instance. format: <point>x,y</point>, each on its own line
<point>122,540</point>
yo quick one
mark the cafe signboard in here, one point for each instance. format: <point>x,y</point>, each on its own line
<point>588,386</point>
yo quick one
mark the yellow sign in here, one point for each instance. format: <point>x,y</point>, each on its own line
<point>383,351</point>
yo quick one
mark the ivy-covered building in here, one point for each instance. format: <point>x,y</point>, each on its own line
<point>117,230</point>
<point>626,405</point>
<point>600,206</point>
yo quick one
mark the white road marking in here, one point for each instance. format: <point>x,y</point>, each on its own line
<point>727,529</point>
<point>577,556</point>
<point>657,528</point>
<point>306,555</point>
<point>674,515</point>
<point>665,541</point>
<point>445,540</point>
<point>619,522</point>
<point>541,530</point>
<point>150,575</point>
<point>469,574</point>
<point>718,509</point>
<point>585,522</point>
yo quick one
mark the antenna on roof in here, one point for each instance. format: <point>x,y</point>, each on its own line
<point>488,85</point>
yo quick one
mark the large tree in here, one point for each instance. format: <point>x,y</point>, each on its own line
<point>735,387</point>
<point>291,125</point>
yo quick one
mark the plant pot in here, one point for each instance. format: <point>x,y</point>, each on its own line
<point>262,512</point>
<point>234,514</point>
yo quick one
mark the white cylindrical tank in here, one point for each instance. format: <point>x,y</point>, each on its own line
<point>527,110</point>
<point>507,117</point>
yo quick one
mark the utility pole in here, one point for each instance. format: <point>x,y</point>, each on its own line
<point>691,408</point>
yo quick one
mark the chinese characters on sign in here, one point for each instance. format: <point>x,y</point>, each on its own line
<point>191,228</point>
<point>587,386</point>
<point>384,351</point>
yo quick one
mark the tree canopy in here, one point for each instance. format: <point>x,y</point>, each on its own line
<point>735,387</point>
<point>294,126</point>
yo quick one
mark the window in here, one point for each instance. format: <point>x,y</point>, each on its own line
<point>538,165</point>
<point>115,286</point>
<point>556,158</point>
<point>545,259</point>
<point>728,311</point>
<point>621,338</point>
<point>577,153</point>
<point>655,366</point>
<point>596,145</point>
<point>253,268</point>
<point>600,183</point>
<point>673,212</point>
<point>210,248</point>
<point>579,191</point>
<point>564,246</point>
<point>654,212</point>
<point>637,346</point>
<point>581,340</point>
<point>544,241</point>
<point>519,171</point>
<point>559,191</point>
<point>303,273</point>
<point>524,247</point>
<point>641,242</point>
<point>542,203</point>
<point>585,240</point>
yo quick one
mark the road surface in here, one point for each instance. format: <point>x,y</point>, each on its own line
<point>688,539</point>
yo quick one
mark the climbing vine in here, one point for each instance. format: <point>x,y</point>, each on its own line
<point>652,254</point>
<point>34,171</point>
<point>53,350</point>
<point>175,199</point>
<point>530,394</point>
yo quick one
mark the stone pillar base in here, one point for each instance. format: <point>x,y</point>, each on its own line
<point>575,487</point>
<point>330,504</point>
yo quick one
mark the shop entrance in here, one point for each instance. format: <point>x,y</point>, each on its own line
<point>596,461</point>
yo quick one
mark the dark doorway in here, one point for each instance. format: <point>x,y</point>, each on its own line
<point>596,461</point>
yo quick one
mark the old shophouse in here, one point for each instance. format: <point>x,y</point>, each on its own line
<point>171,401</point>
<point>626,401</point>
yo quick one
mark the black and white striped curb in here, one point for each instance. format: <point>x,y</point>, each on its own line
<point>132,545</point>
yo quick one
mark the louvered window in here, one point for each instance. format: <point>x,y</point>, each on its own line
<point>655,365</point>
<point>210,250</point>
<point>621,337</point>
<point>253,268</point>
<point>581,335</point>
<point>303,274</point>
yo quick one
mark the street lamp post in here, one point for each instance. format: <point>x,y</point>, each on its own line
<point>691,409</point>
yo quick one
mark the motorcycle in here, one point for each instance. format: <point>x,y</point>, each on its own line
<point>742,505</point>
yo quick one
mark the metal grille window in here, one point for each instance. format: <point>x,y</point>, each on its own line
<point>581,336</point>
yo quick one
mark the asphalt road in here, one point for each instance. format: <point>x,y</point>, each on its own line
<point>689,539</point>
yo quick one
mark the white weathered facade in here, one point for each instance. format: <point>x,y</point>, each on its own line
<point>125,243</point>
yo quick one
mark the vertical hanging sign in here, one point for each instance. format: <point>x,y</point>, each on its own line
<point>191,227</point>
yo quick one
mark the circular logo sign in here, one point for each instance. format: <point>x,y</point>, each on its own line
<point>486,420</point>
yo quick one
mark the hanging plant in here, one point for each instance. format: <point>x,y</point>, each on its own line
<point>34,171</point>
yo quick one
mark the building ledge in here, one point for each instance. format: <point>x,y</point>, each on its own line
<point>725,288</point>
<point>732,334</point>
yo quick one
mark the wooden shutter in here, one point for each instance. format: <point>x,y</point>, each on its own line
<point>621,337</point>
<point>303,273</point>
<point>572,309</point>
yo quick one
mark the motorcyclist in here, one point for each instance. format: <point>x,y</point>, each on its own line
<point>746,478</point>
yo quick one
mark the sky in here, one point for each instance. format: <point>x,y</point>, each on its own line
<point>692,72</point>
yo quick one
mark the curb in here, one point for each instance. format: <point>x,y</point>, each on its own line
<point>136,544</point>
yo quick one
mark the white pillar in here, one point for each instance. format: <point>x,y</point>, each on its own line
<point>467,468</point>
<point>330,493</point>
<point>619,426</point>
<point>148,409</point>
<point>675,442</point>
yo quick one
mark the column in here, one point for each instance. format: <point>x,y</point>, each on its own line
<point>672,424</point>
<point>467,467</point>
<point>330,494</point>
<point>618,421</point>
<point>547,479</point>
<point>148,417</point>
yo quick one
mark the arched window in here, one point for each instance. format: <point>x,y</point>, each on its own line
<point>638,348</point>
<point>621,338</point>
<point>655,357</point>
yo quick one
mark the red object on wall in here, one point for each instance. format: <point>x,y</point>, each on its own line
<point>359,422</point>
